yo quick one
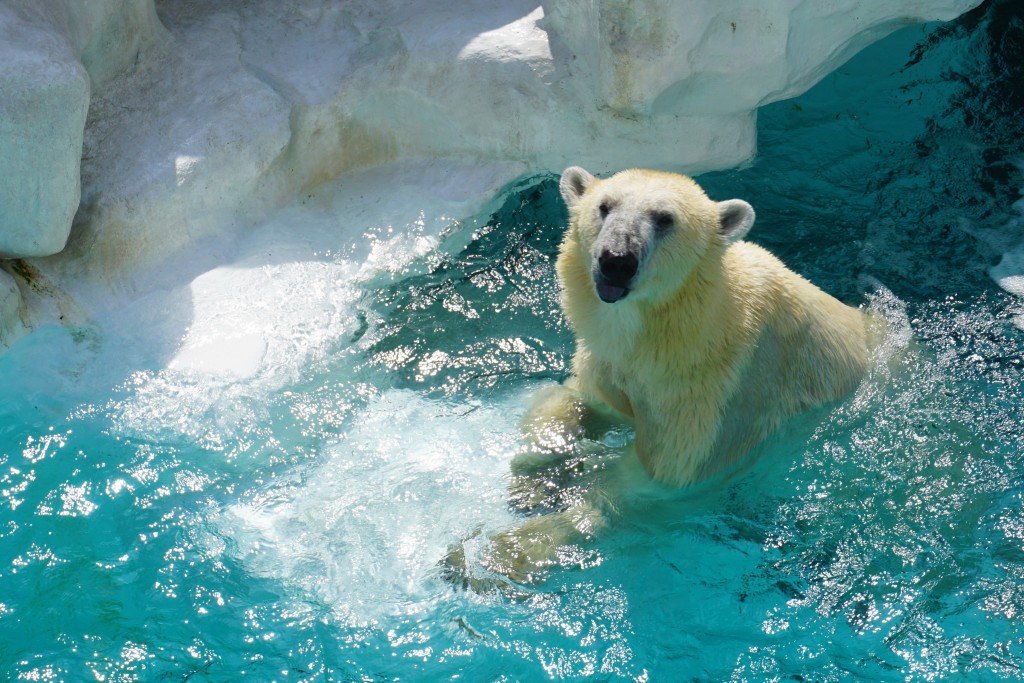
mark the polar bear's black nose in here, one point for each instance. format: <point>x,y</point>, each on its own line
<point>617,269</point>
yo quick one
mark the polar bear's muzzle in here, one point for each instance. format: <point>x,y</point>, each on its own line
<point>613,275</point>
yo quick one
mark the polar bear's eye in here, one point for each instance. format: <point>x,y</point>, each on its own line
<point>604,209</point>
<point>662,221</point>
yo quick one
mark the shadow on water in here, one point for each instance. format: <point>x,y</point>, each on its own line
<point>488,316</point>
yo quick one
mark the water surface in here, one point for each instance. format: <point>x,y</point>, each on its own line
<point>280,516</point>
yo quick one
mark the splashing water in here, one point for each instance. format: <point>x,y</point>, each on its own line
<point>264,492</point>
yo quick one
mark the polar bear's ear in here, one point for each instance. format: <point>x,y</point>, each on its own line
<point>736,217</point>
<point>573,184</point>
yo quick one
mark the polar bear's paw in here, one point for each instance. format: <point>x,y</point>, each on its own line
<point>521,557</point>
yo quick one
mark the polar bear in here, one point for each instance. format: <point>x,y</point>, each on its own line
<point>703,342</point>
<point>706,343</point>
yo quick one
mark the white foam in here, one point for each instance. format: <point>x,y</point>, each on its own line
<point>358,529</point>
<point>290,293</point>
<point>266,319</point>
<point>361,531</point>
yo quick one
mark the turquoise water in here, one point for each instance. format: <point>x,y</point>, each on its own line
<point>163,525</point>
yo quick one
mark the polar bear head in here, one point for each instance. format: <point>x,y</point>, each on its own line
<point>644,232</point>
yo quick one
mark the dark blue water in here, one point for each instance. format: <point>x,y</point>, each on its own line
<point>159,525</point>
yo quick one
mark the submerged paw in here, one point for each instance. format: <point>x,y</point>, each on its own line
<point>524,556</point>
<point>481,578</point>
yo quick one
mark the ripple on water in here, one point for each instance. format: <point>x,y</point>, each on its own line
<point>160,521</point>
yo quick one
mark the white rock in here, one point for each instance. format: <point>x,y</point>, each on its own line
<point>175,154</point>
<point>109,35</point>
<point>241,107</point>
<point>44,96</point>
<point>645,58</point>
<point>605,84</point>
<point>44,91</point>
<point>11,326</point>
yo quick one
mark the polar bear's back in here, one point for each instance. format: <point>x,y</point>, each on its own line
<point>811,349</point>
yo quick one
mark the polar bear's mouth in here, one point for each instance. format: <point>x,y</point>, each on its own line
<point>610,293</point>
<point>613,272</point>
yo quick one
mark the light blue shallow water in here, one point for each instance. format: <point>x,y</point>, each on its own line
<point>156,526</point>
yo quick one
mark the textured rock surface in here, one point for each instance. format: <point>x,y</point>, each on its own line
<point>697,59</point>
<point>249,104</point>
<point>204,117</point>
<point>45,96</point>
<point>10,302</point>
<point>109,35</point>
<point>49,52</point>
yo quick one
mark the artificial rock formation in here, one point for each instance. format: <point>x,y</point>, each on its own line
<point>203,117</point>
